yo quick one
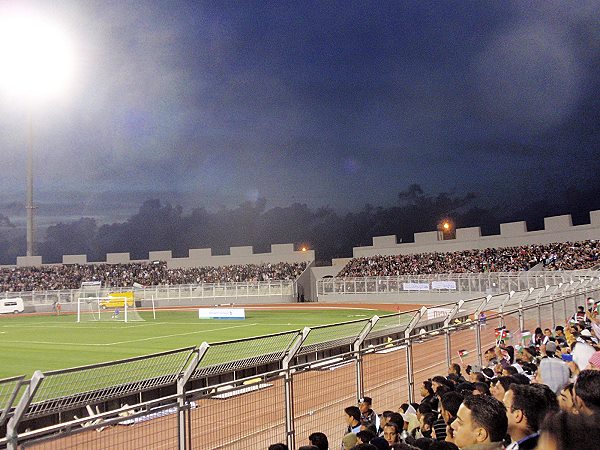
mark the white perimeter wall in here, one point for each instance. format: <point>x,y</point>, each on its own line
<point>556,229</point>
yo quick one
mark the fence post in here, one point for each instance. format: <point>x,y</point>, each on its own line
<point>181,382</point>
<point>553,311</point>
<point>12,435</point>
<point>451,315</point>
<point>360,385</point>
<point>478,312</point>
<point>288,385</point>
<point>410,376</point>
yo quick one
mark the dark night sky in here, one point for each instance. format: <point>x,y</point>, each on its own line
<point>325,103</point>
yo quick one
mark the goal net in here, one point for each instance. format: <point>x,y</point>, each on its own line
<point>116,307</point>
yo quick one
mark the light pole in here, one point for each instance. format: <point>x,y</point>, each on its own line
<point>29,204</point>
<point>37,64</point>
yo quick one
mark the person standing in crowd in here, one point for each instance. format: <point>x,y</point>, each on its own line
<point>526,407</point>
<point>391,433</point>
<point>428,394</point>
<point>352,419</point>
<point>565,431</point>
<point>586,392</point>
<point>319,440</point>
<point>367,415</point>
<point>480,424</point>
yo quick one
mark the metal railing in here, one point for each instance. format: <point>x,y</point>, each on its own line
<point>249,393</point>
<point>167,295</point>
<point>489,282</point>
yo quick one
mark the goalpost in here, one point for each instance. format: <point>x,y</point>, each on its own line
<point>116,308</point>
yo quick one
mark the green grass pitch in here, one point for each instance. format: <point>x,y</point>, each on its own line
<point>29,343</point>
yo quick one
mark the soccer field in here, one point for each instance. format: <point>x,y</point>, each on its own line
<point>29,343</point>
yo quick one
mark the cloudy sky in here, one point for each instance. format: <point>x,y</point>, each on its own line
<point>333,103</point>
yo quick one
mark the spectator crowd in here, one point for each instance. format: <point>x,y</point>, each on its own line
<point>543,393</point>
<point>557,256</point>
<point>70,276</point>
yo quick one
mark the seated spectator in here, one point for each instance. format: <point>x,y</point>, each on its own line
<point>278,447</point>
<point>555,256</point>
<point>465,388</point>
<point>391,433</point>
<point>454,371</point>
<point>443,445</point>
<point>594,362</point>
<point>70,276</point>
<point>499,387</point>
<point>319,440</point>
<point>565,399</point>
<point>426,425</point>
<point>383,420</point>
<point>586,392</point>
<point>480,388</point>
<point>395,418</point>
<point>364,436</point>
<point>481,423</point>
<point>380,443</point>
<point>564,431</point>
<point>364,447</point>
<point>428,394</point>
<point>449,404</point>
<point>348,441</point>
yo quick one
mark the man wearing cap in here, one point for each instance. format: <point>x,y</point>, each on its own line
<point>367,415</point>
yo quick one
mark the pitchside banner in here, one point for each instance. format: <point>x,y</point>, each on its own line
<point>415,286</point>
<point>447,285</point>
<point>222,313</point>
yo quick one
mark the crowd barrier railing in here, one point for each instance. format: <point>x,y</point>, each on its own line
<point>488,282</point>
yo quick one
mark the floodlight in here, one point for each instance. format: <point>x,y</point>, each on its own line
<point>36,55</point>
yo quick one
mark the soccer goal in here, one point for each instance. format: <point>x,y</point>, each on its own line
<point>112,308</point>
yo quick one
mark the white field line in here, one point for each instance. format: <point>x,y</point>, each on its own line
<point>108,344</point>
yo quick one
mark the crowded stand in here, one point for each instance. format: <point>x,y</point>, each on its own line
<point>542,393</point>
<point>556,256</point>
<point>58,277</point>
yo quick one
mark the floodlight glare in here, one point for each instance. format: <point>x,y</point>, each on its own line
<point>37,59</point>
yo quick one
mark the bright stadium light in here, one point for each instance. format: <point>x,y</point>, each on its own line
<point>37,64</point>
<point>36,56</point>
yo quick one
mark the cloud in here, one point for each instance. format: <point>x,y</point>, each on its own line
<point>528,78</point>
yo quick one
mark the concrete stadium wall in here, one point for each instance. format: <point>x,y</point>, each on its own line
<point>196,257</point>
<point>556,229</point>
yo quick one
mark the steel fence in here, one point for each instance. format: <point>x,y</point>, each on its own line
<point>165,295</point>
<point>249,393</point>
<point>488,282</point>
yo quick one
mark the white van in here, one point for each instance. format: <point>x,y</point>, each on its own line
<point>11,305</point>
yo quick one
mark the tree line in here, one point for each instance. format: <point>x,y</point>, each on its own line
<point>158,226</point>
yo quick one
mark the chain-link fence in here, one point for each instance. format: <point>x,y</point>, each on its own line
<point>250,393</point>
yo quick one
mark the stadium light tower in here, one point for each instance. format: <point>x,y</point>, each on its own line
<point>37,63</point>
